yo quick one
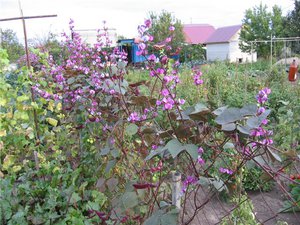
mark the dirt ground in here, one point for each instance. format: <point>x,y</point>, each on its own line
<point>266,208</point>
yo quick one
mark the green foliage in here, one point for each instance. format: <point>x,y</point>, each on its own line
<point>293,206</point>
<point>3,59</point>
<point>243,214</point>
<point>56,193</point>
<point>10,42</point>
<point>192,53</point>
<point>254,180</point>
<point>292,21</point>
<point>160,28</point>
<point>259,24</point>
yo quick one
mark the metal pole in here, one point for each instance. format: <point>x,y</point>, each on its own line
<point>35,118</point>
<point>285,52</point>
<point>271,51</point>
<point>251,53</point>
<point>176,181</point>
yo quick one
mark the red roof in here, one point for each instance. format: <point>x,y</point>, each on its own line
<point>223,34</point>
<point>197,33</point>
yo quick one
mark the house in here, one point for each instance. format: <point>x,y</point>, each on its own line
<point>223,44</point>
<point>90,35</point>
<point>197,33</point>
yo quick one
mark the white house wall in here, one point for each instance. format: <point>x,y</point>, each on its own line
<point>236,55</point>
<point>218,51</point>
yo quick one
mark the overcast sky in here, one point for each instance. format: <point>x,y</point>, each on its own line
<point>124,15</point>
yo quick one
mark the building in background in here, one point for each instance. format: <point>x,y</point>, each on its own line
<point>90,35</point>
<point>223,44</point>
<point>197,33</point>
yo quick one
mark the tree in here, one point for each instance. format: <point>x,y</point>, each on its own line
<point>259,24</point>
<point>160,29</point>
<point>10,42</point>
<point>292,21</point>
<point>292,25</point>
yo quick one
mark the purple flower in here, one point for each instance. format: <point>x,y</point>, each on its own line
<point>152,57</point>
<point>142,46</point>
<point>188,181</point>
<point>262,96</point>
<point>168,39</point>
<point>200,160</point>
<point>133,117</point>
<point>168,79</point>
<point>200,150</point>
<point>148,23</point>
<point>168,106</point>
<point>158,102</point>
<point>261,110</point>
<point>154,147</point>
<point>181,101</point>
<point>160,71</point>
<point>225,170</point>
<point>171,28</point>
<point>165,92</point>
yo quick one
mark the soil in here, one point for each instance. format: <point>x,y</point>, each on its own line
<point>266,208</point>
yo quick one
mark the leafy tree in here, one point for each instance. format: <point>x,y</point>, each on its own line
<point>3,59</point>
<point>292,25</point>
<point>10,42</point>
<point>292,21</point>
<point>160,29</point>
<point>259,24</point>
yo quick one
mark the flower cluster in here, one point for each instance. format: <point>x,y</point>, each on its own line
<point>197,75</point>
<point>200,160</point>
<point>147,114</point>
<point>225,171</point>
<point>190,180</point>
<point>262,98</point>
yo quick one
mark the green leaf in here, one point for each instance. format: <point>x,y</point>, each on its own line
<point>228,145</point>
<point>129,200</point>
<point>71,80</point>
<point>170,217</point>
<point>229,116</point>
<point>105,150</point>
<point>249,110</point>
<point>219,185</point>
<point>8,162</point>
<point>5,208</point>
<point>131,129</point>
<point>174,147</point>
<point>199,111</point>
<point>110,165</point>
<point>192,149</point>
<point>22,98</point>
<point>21,115</point>
<point>75,198</point>
<point>244,129</point>
<point>153,153</point>
<point>163,217</point>
<point>220,110</point>
<point>229,127</point>
<point>274,156</point>
<point>255,121</point>
<point>52,122</point>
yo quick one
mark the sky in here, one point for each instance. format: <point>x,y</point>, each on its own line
<point>124,15</point>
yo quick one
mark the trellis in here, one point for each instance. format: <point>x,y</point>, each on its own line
<point>272,41</point>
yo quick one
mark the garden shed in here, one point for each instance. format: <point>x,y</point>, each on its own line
<point>197,33</point>
<point>131,48</point>
<point>223,44</point>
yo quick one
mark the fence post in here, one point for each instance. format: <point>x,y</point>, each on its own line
<point>176,188</point>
